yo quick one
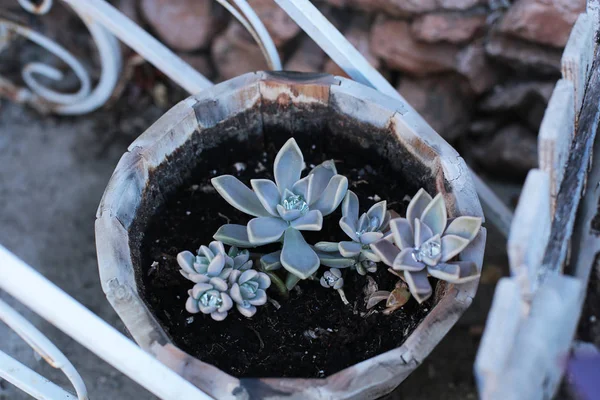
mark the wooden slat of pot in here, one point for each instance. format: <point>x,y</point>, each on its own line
<point>118,282</point>
<point>536,359</point>
<point>556,135</point>
<point>578,55</point>
<point>530,233</point>
<point>124,191</point>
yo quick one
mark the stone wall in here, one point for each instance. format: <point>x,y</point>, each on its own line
<point>481,72</point>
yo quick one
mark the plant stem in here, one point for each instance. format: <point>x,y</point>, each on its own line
<point>343,296</point>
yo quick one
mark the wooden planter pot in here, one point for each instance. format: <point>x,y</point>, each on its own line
<point>278,105</point>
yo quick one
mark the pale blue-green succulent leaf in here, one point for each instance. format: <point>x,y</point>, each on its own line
<point>259,299</point>
<point>422,232</point>
<point>370,237</point>
<point>311,221</point>
<point>191,305</point>
<point>431,251</point>
<point>247,275</point>
<point>417,205</point>
<point>265,230</point>
<point>218,283</point>
<point>327,247</point>
<point>350,207</point>
<point>349,228</point>
<point>418,284</point>
<point>233,235</point>
<point>216,265</point>
<point>435,215</point>
<point>455,272</point>
<point>303,188</point>
<point>297,256</point>
<point>349,249</point>
<point>402,233</point>
<point>186,259</point>
<point>288,215</point>
<point>267,193</point>
<point>370,255</point>
<point>405,261</point>
<point>288,165</point>
<point>239,195</point>
<point>263,280</point>
<point>386,251</point>
<point>270,262</point>
<point>207,252</point>
<point>322,174</point>
<point>452,245</point>
<point>377,213</point>
<point>335,259</point>
<point>216,247</point>
<point>332,196</point>
<point>465,227</point>
<point>291,280</point>
<point>247,312</point>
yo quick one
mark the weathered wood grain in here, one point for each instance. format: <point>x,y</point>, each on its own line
<point>556,135</point>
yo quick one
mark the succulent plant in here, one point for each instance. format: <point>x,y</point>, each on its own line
<point>333,279</point>
<point>363,231</point>
<point>284,208</point>
<point>393,300</point>
<point>193,267</point>
<point>248,290</point>
<point>426,242</point>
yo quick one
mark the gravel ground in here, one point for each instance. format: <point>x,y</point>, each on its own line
<point>53,172</point>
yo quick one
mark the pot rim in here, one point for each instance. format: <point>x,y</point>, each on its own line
<point>373,377</point>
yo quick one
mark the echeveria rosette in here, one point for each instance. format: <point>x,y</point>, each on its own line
<point>425,242</point>
<point>363,231</point>
<point>333,279</point>
<point>284,208</point>
<point>210,273</point>
<point>248,290</point>
<point>209,258</point>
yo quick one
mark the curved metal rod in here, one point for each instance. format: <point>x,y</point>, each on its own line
<point>43,346</point>
<point>47,71</point>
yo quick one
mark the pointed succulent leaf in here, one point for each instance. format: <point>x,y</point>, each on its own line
<point>465,227</point>
<point>398,297</point>
<point>363,223</point>
<point>350,206</point>
<point>216,265</point>
<point>288,215</point>
<point>291,280</point>
<point>386,221</point>
<point>303,188</point>
<point>327,247</point>
<point>335,260</point>
<point>405,261</point>
<point>349,228</point>
<point>233,235</point>
<point>206,252</point>
<point>418,284</point>
<point>185,259</point>
<point>297,256</point>
<point>402,232</point>
<point>311,221</point>
<point>377,298</point>
<point>417,205</point>
<point>452,245</point>
<point>332,196</point>
<point>377,212</point>
<point>431,251</point>
<point>455,272</point>
<point>370,237</point>
<point>422,232</point>
<point>349,249</point>
<point>435,215</point>
<point>270,262</point>
<point>239,195</point>
<point>267,194</point>
<point>247,275</point>
<point>322,174</point>
<point>288,165</point>
<point>386,251</point>
<point>265,230</point>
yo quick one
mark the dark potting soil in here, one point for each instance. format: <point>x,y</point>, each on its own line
<point>312,334</point>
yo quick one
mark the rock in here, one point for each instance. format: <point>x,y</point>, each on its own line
<point>184,25</point>
<point>358,35</point>
<point>233,53</point>
<point>200,62</point>
<point>279,25</point>
<point>512,152</point>
<point>308,57</point>
<point>525,100</point>
<point>474,65</point>
<point>391,41</point>
<point>442,101</point>
<point>523,56</point>
<point>459,4</point>
<point>406,8</point>
<point>542,21</point>
<point>447,27</point>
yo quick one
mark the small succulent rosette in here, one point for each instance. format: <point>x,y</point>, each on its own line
<point>248,290</point>
<point>209,258</point>
<point>425,242</point>
<point>363,231</point>
<point>284,208</point>
<point>333,279</point>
